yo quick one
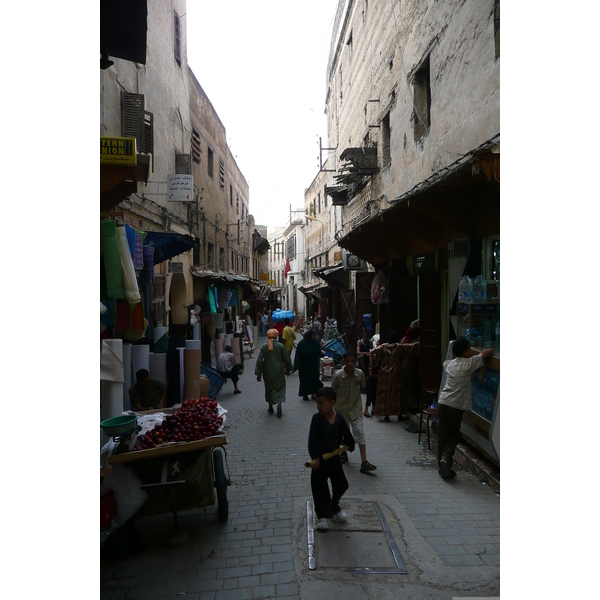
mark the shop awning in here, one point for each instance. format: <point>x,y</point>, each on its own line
<point>313,290</point>
<point>462,201</point>
<point>333,274</point>
<point>168,244</point>
<point>224,276</point>
<point>118,182</point>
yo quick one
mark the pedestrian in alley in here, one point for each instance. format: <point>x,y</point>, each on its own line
<point>347,384</point>
<point>273,363</point>
<point>307,362</point>
<point>228,368</point>
<point>328,431</point>
<point>288,335</point>
<point>363,352</point>
<point>454,400</point>
<point>264,322</point>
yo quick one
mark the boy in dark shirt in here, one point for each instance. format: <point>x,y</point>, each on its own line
<point>328,431</point>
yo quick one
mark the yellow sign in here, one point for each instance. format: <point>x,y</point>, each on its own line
<point>264,276</point>
<point>271,282</point>
<point>118,151</point>
<point>337,256</point>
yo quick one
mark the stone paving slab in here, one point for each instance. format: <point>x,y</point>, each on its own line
<point>265,457</point>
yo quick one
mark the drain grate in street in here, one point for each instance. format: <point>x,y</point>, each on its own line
<point>363,545</point>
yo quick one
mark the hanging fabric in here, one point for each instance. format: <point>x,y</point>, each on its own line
<point>138,256</point>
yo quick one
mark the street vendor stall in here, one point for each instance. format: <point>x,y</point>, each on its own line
<point>166,461</point>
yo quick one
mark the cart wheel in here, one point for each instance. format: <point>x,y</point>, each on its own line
<point>221,486</point>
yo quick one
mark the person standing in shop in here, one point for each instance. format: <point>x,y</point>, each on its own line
<point>454,399</point>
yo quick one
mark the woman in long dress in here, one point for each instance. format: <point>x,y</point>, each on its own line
<point>273,363</point>
<point>308,364</point>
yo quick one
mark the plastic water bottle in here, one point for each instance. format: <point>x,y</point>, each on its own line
<point>498,336</point>
<point>465,289</point>
<point>479,289</point>
<point>487,334</point>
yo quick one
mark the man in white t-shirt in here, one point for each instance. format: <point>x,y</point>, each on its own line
<point>454,399</point>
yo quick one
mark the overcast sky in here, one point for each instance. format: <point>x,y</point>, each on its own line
<point>262,65</point>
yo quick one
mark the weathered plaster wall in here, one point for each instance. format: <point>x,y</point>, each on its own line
<point>376,48</point>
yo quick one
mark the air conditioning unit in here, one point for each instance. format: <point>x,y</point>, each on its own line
<point>351,262</point>
<point>459,248</point>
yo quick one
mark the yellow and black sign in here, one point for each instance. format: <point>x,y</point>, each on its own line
<point>264,276</point>
<point>118,151</point>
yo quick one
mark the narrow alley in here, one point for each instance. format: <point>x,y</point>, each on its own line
<point>447,532</point>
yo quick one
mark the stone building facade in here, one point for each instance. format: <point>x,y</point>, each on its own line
<point>162,105</point>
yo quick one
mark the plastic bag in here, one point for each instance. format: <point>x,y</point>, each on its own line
<point>379,288</point>
<point>279,315</point>
<point>129,495</point>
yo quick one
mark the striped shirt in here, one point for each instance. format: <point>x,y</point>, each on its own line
<point>457,390</point>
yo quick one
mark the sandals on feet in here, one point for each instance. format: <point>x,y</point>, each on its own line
<point>366,467</point>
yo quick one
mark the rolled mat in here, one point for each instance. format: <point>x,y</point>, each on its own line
<point>193,344</point>
<point>162,344</point>
<point>158,332</point>
<point>111,360</point>
<point>173,391</point>
<point>217,320</point>
<point>235,344</point>
<point>196,389</point>
<point>221,336</point>
<point>112,259</point>
<point>112,391</point>
<point>127,372</point>
<point>140,359</point>
<point>211,300</point>
<point>132,292</point>
<point>191,364</point>
<point>219,347</point>
<point>181,373</point>
<point>158,367</point>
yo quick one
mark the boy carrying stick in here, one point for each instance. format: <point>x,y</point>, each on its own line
<point>328,431</point>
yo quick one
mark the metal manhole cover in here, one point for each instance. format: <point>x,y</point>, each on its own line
<point>362,545</point>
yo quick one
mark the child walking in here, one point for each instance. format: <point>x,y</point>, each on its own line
<point>328,431</point>
<point>347,384</point>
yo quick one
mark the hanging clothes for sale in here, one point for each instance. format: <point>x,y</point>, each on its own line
<point>138,255</point>
<point>224,296</point>
<point>388,359</point>
<point>147,274</point>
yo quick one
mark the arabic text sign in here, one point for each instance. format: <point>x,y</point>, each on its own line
<point>180,188</point>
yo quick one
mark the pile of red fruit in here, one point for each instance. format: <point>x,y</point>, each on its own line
<point>195,420</point>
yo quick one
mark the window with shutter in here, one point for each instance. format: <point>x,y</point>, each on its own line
<point>221,174</point>
<point>149,135</point>
<point>196,148</point>
<point>183,164</point>
<point>177,39</point>
<point>132,118</point>
<point>210,163</point>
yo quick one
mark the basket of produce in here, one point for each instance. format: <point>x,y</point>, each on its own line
<point>121,425</point>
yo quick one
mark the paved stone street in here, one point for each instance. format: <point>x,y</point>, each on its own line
<point>447,532</point>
